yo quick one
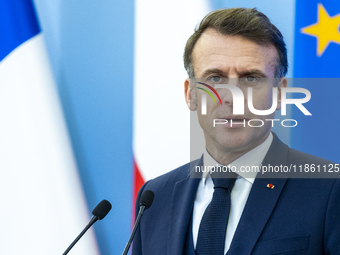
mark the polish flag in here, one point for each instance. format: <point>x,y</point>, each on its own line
<point>161,139</point>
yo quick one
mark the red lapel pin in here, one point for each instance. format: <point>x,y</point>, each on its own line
<point>270,186</point>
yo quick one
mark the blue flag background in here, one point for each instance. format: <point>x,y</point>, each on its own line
<point>318,134</point>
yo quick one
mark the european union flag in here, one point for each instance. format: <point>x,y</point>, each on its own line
<point>317,68</point>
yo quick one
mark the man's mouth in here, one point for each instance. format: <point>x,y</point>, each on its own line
<point>235,120</point>
<point>230,122</point>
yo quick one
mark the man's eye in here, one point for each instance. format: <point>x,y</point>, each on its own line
<point>250,79</point>
<point>215,79</point>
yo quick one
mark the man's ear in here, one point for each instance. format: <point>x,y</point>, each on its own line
<point>282,84</point>
<point>190,94</point>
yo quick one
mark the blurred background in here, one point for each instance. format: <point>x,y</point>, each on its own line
<point>92,105</point>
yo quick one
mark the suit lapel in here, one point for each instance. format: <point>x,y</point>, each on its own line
<point>182,204</point>
<point>261,202</point>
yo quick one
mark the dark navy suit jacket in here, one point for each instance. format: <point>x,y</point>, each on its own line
<point>298,216</point>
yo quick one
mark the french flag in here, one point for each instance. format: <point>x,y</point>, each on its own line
<point>42,203</point>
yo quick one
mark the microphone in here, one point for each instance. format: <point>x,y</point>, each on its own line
<point>145,202</point>
<point>101,210</point>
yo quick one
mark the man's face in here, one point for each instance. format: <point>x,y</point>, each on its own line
<point>234,60</point>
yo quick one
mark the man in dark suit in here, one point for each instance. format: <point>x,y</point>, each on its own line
<point>268,212</point>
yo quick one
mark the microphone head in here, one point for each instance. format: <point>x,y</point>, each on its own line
<point>147,198</point>
<point>102,209</point>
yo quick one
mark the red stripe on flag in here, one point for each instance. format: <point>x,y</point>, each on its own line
<point>138,182</point>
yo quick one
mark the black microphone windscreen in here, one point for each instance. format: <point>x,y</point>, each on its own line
<point>147,198</point>
<point>102,209</point>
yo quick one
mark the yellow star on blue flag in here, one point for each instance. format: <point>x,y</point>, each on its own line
<point>326,30</point>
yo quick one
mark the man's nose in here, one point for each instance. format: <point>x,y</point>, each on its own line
<point>232,95</point>
<point>226,96</point>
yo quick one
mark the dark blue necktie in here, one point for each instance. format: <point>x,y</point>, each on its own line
<point>213,227</point>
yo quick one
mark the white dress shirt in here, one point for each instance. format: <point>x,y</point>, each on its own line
<point>239,194</point>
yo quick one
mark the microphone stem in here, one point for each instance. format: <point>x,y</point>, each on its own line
<point>140,213</point>
<point>92,221</point>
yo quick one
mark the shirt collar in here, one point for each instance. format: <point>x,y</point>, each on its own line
<point>250,161</point>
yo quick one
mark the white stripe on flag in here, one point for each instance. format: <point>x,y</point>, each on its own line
<point>42,204</point>
<point>161,117</point>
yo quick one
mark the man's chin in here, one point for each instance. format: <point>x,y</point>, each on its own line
<point>238,143</point>
<point>233,144</point>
